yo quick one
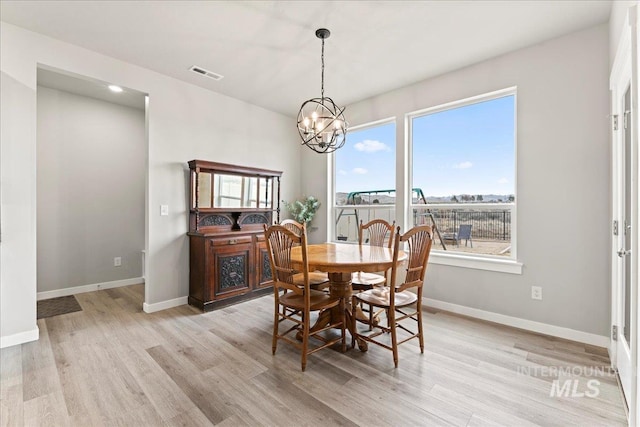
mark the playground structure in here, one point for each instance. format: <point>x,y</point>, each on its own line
<point>367,199</point>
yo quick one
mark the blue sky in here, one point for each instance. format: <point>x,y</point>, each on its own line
<point>466,150</point>
<point>367,161</point>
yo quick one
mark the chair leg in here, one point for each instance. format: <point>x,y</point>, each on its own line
<point>305,341</point>
<point>370,318</point>
<point>394,337</point>
<point>420,331</point>
<point>343,310</point>
<point>354,326</point>
<point>276,316</point>
<point>284,309</point>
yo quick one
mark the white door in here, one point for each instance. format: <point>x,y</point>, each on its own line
<point>625,218</point>
<point>626,293</point>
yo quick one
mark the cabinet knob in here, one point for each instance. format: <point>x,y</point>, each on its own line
<point>233,241</point>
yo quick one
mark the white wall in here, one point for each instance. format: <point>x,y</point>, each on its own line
<point>18,216</point>
<point>185,122</point>
<point>91,161</point>
<point>562,179</point>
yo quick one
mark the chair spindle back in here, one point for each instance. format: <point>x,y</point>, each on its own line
<point>377,229</point>
<point>280,240</point>
<point>418,247</point>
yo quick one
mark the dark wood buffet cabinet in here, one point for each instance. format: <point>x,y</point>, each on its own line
<point>228,259</point>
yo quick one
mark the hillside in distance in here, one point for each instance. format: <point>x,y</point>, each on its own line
<point>389,198</point>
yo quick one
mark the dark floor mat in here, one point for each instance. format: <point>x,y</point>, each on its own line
<point>57,306</point>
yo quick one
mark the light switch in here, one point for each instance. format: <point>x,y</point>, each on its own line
<point>164,210</point>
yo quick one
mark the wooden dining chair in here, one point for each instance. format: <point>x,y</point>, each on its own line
<point>398,301</point>
<point>380,233</point>
<point>317,279</point>
<point>293,303</point>
<point>292,225</point>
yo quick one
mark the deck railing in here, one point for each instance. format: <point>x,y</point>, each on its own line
<point>493,224</point>
<point>489,221</point>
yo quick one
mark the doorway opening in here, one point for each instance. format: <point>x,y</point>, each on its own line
<point>91,173</point>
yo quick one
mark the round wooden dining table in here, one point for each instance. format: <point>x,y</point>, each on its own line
<point>340,260</point>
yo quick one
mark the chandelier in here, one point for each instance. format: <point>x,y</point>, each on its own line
<point>321,122</point>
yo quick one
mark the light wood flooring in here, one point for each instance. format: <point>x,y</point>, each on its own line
<point>112,364</point>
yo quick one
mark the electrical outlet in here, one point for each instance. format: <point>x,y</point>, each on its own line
<point>117,261</point>
<point>164,210</point>
<point>536,292</point>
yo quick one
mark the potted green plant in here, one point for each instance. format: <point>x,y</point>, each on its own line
<point>303,210</point>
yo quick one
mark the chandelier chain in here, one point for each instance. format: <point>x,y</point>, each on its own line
<point>322,74</point>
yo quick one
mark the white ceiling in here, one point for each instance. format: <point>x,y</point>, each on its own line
<point>267,50</point>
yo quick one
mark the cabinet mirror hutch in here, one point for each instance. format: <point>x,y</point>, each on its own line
<point>228,257</point>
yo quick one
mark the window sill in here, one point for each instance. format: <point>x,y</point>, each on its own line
<point>476,262</point>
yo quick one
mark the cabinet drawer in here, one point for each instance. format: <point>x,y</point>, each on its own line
<point>230,241</point>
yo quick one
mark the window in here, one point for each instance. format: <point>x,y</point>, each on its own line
<point>463,174</point>
<point>461,171</point>
<point>364,180</point>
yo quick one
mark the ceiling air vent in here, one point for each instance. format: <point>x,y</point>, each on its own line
<point>206,73</point>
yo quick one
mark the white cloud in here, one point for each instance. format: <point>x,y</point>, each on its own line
<point>463,165</point>
<point>360,171</point>
<point>503,181</point>
<point>371,146</point>
<point>342,172</point>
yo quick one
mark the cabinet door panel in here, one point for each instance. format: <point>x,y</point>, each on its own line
<point>264,278</point>
<point>231,270</point>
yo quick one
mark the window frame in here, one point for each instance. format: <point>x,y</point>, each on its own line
<point>463,259</point>
<point>331,227</point>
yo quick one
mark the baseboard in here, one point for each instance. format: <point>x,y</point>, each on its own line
<point>516,322</point>
<point>20,338</point>
<point>163,305</point>
<point>88,288</point>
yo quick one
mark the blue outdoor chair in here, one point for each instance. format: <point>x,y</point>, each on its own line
<point>464,233</point>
